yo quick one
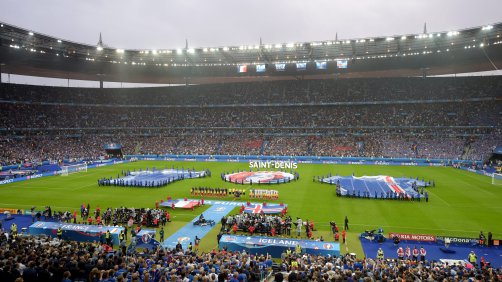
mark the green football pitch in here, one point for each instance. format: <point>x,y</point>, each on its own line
<point>462,203</point>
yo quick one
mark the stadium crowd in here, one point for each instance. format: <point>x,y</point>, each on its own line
<point>39,148</point>
<point>24,258</point>
<point>454,118</point>
<point>280,92</point>
<point>51,117</point>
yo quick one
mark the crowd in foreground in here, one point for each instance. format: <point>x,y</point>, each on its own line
<point>27,258</point>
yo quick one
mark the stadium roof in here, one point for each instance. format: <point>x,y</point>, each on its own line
<point>27,52</point>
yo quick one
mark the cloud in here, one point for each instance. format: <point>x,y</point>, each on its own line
<point>159,24</point>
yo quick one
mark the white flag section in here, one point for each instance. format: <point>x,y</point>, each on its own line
<point>182,204</point>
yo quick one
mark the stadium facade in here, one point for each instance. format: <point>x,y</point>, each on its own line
<point>27,52</point>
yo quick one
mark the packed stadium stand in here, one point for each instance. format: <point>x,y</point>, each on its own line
<point>448,118</point>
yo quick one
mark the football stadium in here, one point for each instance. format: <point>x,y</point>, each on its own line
<point>338,159</point>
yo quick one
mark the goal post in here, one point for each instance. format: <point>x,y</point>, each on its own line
<point>497,179</point>
<point>70,169</point>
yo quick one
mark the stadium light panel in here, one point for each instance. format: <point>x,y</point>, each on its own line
<point>390,38</point>
<point>225,49</point>
<point>205,50</point>
<point>290,45</point>
<point>154,52</point>
<point>120,51</point>
<point>278,46</point>
<point>99,48</point>
<point>30,33</point>
<point>191,51</point>
<point>179,51</point>
<point>488,27</point>
<point>403,37</point>
<point>59,41</point>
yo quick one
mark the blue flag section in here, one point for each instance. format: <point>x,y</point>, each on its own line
<point>276,246</point>
<point>153,178</point>
<point>75,232</point>
<point>380,186</point>
<point>145,241</point>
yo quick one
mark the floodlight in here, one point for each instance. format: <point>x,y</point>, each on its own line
<point>225,48</point>
<point>179,51</point>
<point>99,48</point>
<point>390,38</point>
<point>278,45</point>
<point>403,37</point>
<point>204,50</point>
<point>191,51</point>
<point>30,33</point>
<point>290,45</point>
<point>59,41</point>
<point>120,51</point>
<point>154,52</point>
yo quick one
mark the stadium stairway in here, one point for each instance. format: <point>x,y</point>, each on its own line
<point>188,232</point>
<point>466,152</point>
<point>263,146</point>
<point>137,149</point>
<point>218,148</point>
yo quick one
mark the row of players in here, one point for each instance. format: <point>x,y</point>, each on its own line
<point>237,193</point>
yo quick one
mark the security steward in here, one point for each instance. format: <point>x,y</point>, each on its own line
<point>60,233</point>
<point>121,236</point>
<point>473,258</point>
<point>380,254</point>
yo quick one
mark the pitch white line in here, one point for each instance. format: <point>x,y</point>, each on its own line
<point>434,194</point>
<point>80,187</point>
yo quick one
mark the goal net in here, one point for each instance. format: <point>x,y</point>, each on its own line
<point>497,179</point>
<point>66,170</point>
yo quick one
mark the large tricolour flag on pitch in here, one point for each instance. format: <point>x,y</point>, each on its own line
<point>269,209</point>
<point>186,204</point>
